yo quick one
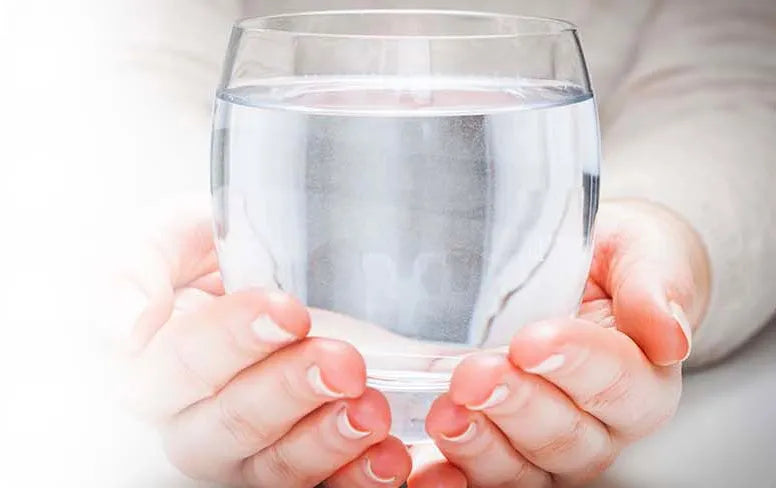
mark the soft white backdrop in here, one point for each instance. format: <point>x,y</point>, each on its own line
<point>52,193</point>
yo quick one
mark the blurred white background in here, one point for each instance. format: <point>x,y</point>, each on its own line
<point>50,189</point>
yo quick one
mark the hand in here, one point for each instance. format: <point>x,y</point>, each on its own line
<point>571,393</point>
<point>239,394</point>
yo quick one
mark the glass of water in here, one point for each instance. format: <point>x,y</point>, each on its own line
<point>425,181</point>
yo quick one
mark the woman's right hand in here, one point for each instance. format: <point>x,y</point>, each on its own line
<point>239,393</point>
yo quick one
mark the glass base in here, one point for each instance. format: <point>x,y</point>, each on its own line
<point>410,384</point>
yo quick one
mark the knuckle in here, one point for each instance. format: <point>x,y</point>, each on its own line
<point>590,472</point>
<point>276,469</point>
<point>604,462</point>
<point>670,405</point>
<point>234,342</point>
<point>290,385</point>
<point>520,476</point>
<point>335,449</point>
<point>563,442</point>
<point>203,385</point>
<point>245,431</point>
<point>653,414</point>
<point>660,416</point>
<point>614,394</point>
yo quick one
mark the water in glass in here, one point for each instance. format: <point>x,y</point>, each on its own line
<point>420,219</point>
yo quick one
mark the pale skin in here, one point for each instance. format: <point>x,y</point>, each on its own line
<point>243,396</point>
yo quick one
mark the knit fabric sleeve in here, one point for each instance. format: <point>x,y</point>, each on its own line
<point>693,127</point>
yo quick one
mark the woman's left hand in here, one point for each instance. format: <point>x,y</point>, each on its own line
<point>571,393</point>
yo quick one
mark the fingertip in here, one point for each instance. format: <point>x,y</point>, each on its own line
<point>648,319</point>
<point>474,379</point>
<point>370,412</point>
<point>288,312</point>
<point>342,367</point>
<point>389,459</point>
<point>282,309</point>
<point>438,475</point>
<point>667,349</point>
<point>534,342</point>
<point>446,419</point>
<point>386,463</point>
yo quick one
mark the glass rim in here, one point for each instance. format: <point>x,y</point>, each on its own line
<point>552,26</point>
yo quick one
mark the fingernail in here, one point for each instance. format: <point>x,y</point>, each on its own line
<point>373,476</point>
<point>498,395</point>
<point>346,427</point>
<point>684,326</point>
<point>465,436</point>
<point>316,382</point>
<point>271,333</point>
<point>549,365</point>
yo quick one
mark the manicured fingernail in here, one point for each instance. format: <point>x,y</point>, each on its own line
<point>373,476</point>
<point>549,365</point>
<point>684,326</point>
<point>346,427</point>
<point>271,333</point>
<point>498,395</point>
<point>316,382</point>
<point>465,436</point>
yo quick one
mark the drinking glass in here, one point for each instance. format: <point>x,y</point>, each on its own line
<point>424,181</point>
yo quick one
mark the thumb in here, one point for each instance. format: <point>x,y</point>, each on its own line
<point>649,313</point>
<point>134,295</point>
<point>654,267</point>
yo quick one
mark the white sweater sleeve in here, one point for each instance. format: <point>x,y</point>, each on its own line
<point>693,126</point>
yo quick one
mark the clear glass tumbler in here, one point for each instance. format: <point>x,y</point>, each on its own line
<point>425,181</point>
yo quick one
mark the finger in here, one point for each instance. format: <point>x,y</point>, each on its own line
<point>467,439</point>
<point>602,371</point>
<point>643,261</point>
<point>138,297</point>
<point>263,403</point>
<point>178,246</point>
<point>641,311</point>
<point>197,353</point>
<point>430,469</point>
<point>189,299</point>
<point>538,419</point>
<point>318,445</point>
<point>210,283</point>
<point>384,465</point>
